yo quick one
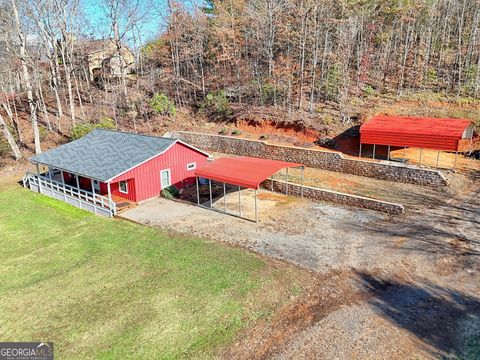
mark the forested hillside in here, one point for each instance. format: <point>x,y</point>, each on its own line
<point>320,64</point>
<point>297,53</point>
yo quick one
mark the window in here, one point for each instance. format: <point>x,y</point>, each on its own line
<point>191,166</point>
<point>165,179</point>
<point>123,187</point>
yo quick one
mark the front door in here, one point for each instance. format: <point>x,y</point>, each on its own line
<point>165,179</point>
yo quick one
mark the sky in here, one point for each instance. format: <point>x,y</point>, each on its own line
<point>151,26</point>
<point>99,27</point>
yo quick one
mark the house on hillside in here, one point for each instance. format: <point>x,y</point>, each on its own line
<point>102,58</point>
<point>107,171</point>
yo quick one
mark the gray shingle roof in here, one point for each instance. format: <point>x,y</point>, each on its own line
<point>104,154</point>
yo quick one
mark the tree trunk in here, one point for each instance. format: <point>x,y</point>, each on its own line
<point>10,139</point>
<point>68,78</point>
<point>26,79</point>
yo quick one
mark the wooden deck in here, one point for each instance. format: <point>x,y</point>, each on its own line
<point>122,203</point>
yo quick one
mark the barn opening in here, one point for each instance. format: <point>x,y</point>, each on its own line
<point>236,174</point>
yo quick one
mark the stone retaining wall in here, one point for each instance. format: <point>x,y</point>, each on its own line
<point>334,197</point>
<point>327,160</point>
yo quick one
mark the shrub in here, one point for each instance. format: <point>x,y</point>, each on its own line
<point>43,132</point>
<point>267,93</point>
<point>328,119</point>
<point>80,130</point>
<point>4,147</point>
<point>369,91</point>
<point>161,104</point>
<point>13,132</point>
<point>236,132</point>
<point>334,76</point>
<point>217,103</point>
<point>263,137</point>
<point>170,192</point>
<point>106,123</point>
<point>224,131</point>
<point>431,75</point>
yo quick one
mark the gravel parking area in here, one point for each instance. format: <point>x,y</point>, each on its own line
<point>407,276</point>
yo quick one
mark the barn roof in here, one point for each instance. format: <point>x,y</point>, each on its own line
<point>104,154</point>
<point>421,132</point>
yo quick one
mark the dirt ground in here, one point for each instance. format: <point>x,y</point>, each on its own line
<point>348,144</point>
<point>389,287</point>
<point>405,194</point>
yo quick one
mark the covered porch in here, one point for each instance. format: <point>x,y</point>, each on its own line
<point>78,190</point>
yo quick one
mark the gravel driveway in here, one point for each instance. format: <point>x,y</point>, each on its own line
<point>421,302</point>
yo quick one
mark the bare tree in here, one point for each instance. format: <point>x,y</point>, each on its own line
<point>11,141</point>
<point>124,16</point>
<point>22,53</point>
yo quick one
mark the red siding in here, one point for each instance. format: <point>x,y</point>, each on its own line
<point>417,141</point>
<point>131,190</point>
<point>144,180</point>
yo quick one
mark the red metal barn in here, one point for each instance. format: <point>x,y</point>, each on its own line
<point>177,166</point>
<point>417,132</point>
<point>108,169</point>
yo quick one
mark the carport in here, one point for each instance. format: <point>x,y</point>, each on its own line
<point>416,132</point>
<point>243,171</point>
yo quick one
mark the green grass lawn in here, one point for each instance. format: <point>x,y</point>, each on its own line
<point>110,289</point>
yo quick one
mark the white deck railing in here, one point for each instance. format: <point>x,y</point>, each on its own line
<point>89,198</point>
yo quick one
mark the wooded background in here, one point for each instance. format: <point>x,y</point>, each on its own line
<point>286,54</point>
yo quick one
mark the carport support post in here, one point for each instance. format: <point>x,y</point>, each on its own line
<point>404,154</point>
<point>224,198</point>
<point>256,207</point>
<point>78,183</point>
<point>271,177</point>
<point>360,151</point>
<point>301,189</point>
<point>239,202</point>
<point>438,155</point>
<point>374,151</point>
<point>210,191</point>
<point>388,153</point>
<point>198,191</point>
<point>286,183</point>
<point>93,187</point>
<point>61,174</point>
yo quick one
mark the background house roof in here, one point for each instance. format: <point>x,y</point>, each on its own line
<point>91,45</point>
<point>104,154</point>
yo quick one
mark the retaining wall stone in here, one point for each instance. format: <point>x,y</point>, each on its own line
<point>334,197</point>
<point>328,160</point>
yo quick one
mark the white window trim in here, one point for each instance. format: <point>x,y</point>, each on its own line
<point>120,187</point>
<point>191,166</point>
<point>169,179</point>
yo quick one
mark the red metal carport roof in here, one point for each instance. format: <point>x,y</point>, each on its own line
<point>243,171</point>
<point>419,132</point>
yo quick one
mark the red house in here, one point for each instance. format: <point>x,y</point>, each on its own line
<point>106,170</point>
